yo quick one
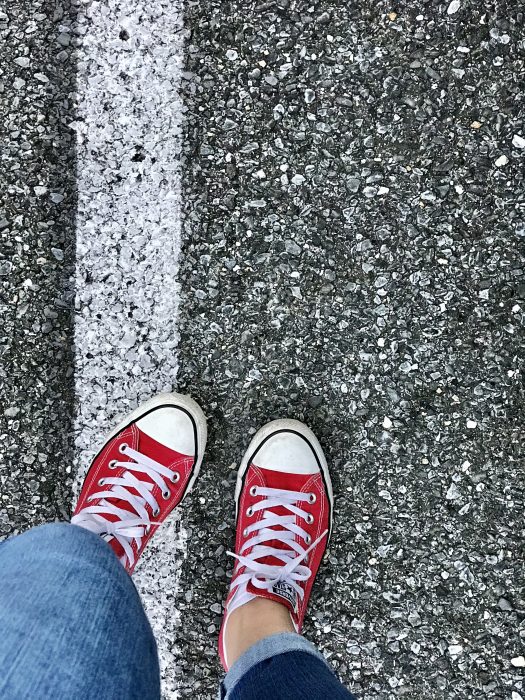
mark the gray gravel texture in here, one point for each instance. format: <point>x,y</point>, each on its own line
<point>354,257</point>
<point>37,201</point>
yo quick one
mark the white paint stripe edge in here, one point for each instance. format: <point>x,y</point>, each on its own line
<point>128,241</point>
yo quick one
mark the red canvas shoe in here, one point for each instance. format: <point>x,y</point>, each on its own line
<point>145,468</point>
<point>284,517</point>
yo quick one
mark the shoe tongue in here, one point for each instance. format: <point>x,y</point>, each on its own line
<point>281,592</point>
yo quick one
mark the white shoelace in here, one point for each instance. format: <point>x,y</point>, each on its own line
<point>131,524</point>
<point>292,554</point>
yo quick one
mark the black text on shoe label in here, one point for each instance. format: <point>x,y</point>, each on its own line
<point>284,590</point>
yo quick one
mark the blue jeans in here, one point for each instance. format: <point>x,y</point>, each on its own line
<point>72,626</point>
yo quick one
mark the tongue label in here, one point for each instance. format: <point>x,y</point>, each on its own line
<point>284,590</point>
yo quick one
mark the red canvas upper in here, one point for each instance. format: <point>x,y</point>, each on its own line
<point>320,509</point>
<point>100,469</point>
<point>309,483</point>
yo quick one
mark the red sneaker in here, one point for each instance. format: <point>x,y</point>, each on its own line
<point>284,517</point>
<point>145,468</point>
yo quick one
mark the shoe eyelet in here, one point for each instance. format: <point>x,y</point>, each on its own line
<point>249,512</point>
<point>156,512</point>
<point>312,498</point>
<point>253,491</point>
<point>245,532</point>
<point>310,519</point>
<point>175,477</point>
<point>112,464</point>
<point>308,539</point>
<point>123,447</point>
<point>101,482</point>
<point>166,494</point>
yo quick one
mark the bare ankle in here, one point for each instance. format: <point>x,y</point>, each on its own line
<point>252,622</point>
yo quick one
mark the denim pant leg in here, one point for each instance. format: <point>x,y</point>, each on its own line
<point>282,667</point>
<point>71,621</point>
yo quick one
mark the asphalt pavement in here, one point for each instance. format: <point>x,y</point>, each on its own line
<point>37,257</point>
<point>353,256</point>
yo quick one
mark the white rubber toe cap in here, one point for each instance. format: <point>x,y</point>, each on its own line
<point>286,452</point>
<point>170,426</point>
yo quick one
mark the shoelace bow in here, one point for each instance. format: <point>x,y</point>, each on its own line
<point>292,571</point>
<point>130,524</point>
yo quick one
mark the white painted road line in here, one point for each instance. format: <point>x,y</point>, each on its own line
<point>128,239</point>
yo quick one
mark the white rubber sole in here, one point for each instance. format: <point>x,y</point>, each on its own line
<point>178,400</point>
<point>275,426</point>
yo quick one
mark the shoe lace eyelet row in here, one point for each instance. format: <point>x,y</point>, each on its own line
<point>112,464</point>
<point>309,517</point>
<point>284,509</point>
